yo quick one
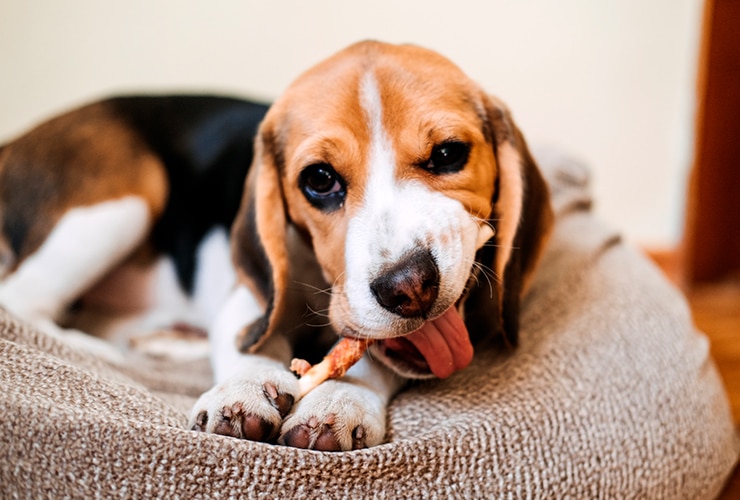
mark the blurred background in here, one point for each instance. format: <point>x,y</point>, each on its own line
<point>610,82</point>
<point>644,92</point>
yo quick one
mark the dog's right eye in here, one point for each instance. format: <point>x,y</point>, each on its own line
<point>322,186</point>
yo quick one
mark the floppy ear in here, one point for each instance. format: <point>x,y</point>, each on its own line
<point>522,218</point>
<point>259,239</point>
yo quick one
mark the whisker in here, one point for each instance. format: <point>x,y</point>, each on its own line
<point>318,312</point>
<point>487,222</point>
<point>489,275</point>
<point>336,280</point>
<point>317,290</point>
<point>319,325</point>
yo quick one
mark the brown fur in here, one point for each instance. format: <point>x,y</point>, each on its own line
<point>320,119</point>
<point>80,148</point>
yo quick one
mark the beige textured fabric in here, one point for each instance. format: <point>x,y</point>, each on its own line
<point>612,394</point>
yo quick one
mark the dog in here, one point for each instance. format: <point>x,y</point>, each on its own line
<point>389,198</point>
<point>394,196</point>
<point>106,212</point>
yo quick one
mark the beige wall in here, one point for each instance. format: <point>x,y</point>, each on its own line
<point>611,81</point>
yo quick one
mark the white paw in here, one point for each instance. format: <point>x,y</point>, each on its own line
<point>337,415</point>
<point>248,405</point>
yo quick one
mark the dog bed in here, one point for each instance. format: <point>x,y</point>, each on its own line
<point>611,393</point>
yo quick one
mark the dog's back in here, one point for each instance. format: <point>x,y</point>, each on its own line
<point>154,173</point>
<point>202,144</point>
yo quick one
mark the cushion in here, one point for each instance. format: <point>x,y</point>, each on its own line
<point>611,393</point>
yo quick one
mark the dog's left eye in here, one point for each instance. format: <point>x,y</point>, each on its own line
<point>322,186</point>
<point>448,157</point>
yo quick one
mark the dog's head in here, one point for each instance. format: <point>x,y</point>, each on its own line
<point>413,188</point>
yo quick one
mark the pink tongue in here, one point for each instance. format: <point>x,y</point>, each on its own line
<point>444,343</point>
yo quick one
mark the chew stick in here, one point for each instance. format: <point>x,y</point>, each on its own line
<point>342,356</point>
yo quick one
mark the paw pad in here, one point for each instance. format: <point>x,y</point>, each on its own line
<point>235,422</point>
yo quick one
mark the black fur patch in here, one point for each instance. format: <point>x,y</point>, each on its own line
<point>252,258</point>
<point>206,144</point>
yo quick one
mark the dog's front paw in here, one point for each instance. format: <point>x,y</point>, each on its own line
<point>336,416</point>
<point>248,405</point>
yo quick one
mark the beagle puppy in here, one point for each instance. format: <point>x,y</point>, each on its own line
<point>392,199</point>
<point>114,216</point>
<point>388,198</point>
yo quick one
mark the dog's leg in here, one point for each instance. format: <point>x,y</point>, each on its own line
<point>253,392</point>
<point>142,305</point>
<point>85,244</point>
<point>344,414</point>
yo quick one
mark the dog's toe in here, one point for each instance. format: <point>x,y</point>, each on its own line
<point>314,435</point>
<point>336,416</point>
<point>200,421</point>
<point>358,438</point>
<point>245,408</point>
<point>327,440</point>
<point>235,422</point>
<point>281,401</point>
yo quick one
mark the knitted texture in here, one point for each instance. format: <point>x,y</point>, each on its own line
<point>610,394</point>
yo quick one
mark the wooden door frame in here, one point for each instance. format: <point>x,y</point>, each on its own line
<point>711,243</point>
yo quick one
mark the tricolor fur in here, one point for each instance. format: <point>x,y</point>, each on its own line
<point>344,201</point>
<point>375,112</point>
<point>107,206</point>
<point>388,192</point>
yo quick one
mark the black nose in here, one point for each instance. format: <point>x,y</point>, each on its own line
<point>409,287</point>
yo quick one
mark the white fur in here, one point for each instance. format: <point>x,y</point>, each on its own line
<point>137,303</point>
<point>81,248</point>
<point>167,300</point>
<point>84,245</point>
<point>239,310</point>
<point>395,219</point>
<point>81,258</point>
<point>214,275</point>
<point>241,379</point>
<point>360,399</point>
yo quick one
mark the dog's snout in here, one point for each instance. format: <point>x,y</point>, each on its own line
<point>409,287</point>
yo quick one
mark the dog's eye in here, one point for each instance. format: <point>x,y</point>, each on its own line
<point>322,186</point>
<point>448,157</point>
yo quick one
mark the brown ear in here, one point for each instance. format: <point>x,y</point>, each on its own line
<point>522,218</point>
<point>259,234</point>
